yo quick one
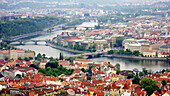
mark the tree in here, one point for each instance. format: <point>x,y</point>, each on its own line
<point>17,65</point>
<point>119,41</point>
<point>43,71</point>
<point>19,58</point>
<point>80,57</point>
<point>163,82</point>
<point>149,85</point>
<point>51,58</point>
<point>39,55</point>
<point>23,74</point>
<point>117,71</point>
<point>97,27</point>
<point>141,74</point>
<point>163,70</point>
<point>61,56</point>
<point>136,79</point>
<point>145,71</point>
<point>52,65</point>
<point>62,92</point>
<point>130,75</point>
<point>6,58</point>
<point>60,79</point>
<point>136,53</point>
<point>82,69</point>
<point>117,66</point>
<point>43,56</point>
<point>26,59</point>
<point>30,58</point>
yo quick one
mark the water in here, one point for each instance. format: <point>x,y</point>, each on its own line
<point>41,47</point>
<point>125,64</point>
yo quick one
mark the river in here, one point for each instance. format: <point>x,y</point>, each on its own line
<point>125,64</point>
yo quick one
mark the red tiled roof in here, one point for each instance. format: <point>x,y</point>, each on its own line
<point>82,59</point>
<point>149,51</point>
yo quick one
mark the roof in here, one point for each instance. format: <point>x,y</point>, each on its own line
<point>149,51</point>
<point>165,46</point>
<point>82,59</point>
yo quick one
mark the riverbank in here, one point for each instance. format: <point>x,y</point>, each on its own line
<point>64,48</point>
<point>107,55</point>
<point>136,57</point>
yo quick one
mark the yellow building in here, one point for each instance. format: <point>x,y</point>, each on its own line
<point>149,53</point>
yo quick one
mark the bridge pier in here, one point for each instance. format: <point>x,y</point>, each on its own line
<point>36,42</point>
<point>21,42</point>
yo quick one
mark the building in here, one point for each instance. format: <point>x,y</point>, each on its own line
<point>149,53</point>
<point>165,48</point>
<point>82,61</point>
<point>15,54</point>
<point>101,44</point>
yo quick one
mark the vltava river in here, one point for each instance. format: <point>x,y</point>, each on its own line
<point>125,64</point>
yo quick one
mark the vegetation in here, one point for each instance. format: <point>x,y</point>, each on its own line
<point>136,79</point>
<point>92,49</point>
<point>130,75</point>
<point>27,25</point>
<point>145,71</point>
<point>73,58</point>
<point>141,74</point>
<point>149,85</point>
<point>62,92</point>
<point>163,82</point>
<point>97,27</point>
<point>117,71</point>
<point>75,22</point>
<point>5,46</point>
<point>122,52</point>
<point>117,66</point>
<point>119,41</point>
<point>61,56</point>
<point>52,68</point>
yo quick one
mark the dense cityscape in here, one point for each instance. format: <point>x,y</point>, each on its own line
<point>84,48</point>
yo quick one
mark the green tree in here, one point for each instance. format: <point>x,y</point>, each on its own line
<point>119,41</point>
<point>80,57</point>
<point>39,55</point>
<point>117,66</point>
<point>117,71</point>
<point>145,71</point>
<point>136,53</point>
<point>51,58</point>
<point>43,56</point>
<point>61,56</point>
<point>130,75</point>
<point>43,71</point>
<point>149,85</point>
<point>97,27</point>
<point>163,70</point>
<point>19,58</point>
<point>26,59</point>
<point>141,73</point>
<point>30,58</point>
<point>163,82</point>
<point>60,79</point>
<point>82,69</point>
<point>6,58</point>
<point>136,79</point>
<point>62,92</point>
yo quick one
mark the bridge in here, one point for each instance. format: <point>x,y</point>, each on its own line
<point>20,37</point>
<point>21,42</point>
<point>89,54</point>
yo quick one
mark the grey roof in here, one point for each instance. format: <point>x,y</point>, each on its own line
<point>165,46</point>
